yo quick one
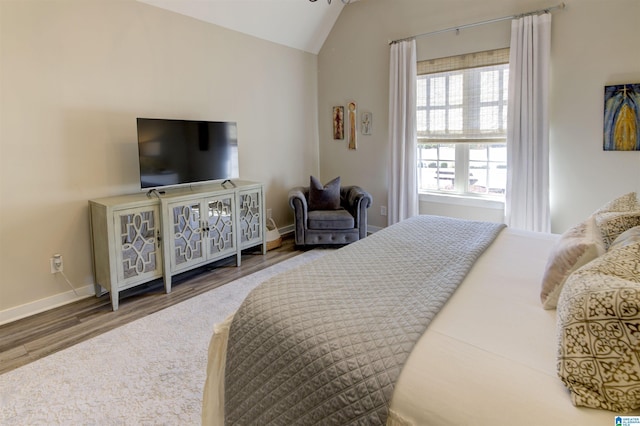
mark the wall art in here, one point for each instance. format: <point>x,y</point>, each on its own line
<point>353,133</point>
<point>338,122</point>
<point>622,117</point>
<point>366,123</point>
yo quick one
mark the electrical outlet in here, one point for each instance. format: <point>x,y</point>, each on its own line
<point>269,211</point>
<point>56,264</point>
<point>383,210</point>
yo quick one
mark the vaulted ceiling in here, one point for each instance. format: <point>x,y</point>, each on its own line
<point>300,24</point>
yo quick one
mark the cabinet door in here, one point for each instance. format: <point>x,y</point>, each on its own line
<point>250,217</point>
<point>186,235</point>
<point>137,245</point>
<point>219,229</point>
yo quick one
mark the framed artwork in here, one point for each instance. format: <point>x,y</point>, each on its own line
<point>366,123</point>
<point>622,117</point>
<point>338,122</point>
<point>353,133</point>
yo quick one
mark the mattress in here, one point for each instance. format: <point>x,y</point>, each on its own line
<point>488,357</point>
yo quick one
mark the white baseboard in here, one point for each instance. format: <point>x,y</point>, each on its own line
<point>42,305</point>
<point>286,230</point>
<point>371,229</point>
<point>38,306</point>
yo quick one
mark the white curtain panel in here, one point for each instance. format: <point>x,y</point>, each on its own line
<point>527,197</point>
<point>403,182</point>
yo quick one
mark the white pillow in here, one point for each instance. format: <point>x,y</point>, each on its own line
<point>575,248</point>
<point>629,236</point>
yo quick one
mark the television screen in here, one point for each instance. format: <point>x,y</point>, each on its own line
<point>177,152</point>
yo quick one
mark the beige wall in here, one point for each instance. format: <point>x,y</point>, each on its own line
<point>594,43</point>
<point>75,74</point>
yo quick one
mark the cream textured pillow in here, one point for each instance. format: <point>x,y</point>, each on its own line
<point>599,332</point>
<point>575,248</point>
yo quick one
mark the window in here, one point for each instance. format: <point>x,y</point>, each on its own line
<point>461,121</point>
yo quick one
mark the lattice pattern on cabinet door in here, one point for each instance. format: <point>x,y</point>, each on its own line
<point>138,237</point>
<point>249,216</point>
<point>219,225</point>
<point>187,233</point>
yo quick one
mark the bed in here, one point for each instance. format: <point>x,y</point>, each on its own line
<point>488,355</point>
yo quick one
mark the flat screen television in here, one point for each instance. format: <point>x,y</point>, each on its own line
<point>180,152</point>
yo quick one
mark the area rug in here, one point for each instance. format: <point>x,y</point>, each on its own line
<point>148,372</point>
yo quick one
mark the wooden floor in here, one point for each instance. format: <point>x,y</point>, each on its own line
<point>32,338</point>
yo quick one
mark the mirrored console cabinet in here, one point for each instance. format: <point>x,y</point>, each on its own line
<point>141,237</point>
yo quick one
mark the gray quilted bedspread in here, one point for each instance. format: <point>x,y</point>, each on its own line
<point>325,343</point>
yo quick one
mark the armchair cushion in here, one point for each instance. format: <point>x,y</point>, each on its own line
<point>330,219</point>
<point>325,197</point>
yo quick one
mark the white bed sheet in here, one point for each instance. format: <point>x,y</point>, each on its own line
<point>489,356</point>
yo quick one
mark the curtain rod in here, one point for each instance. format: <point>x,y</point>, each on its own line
<point>475,24</point>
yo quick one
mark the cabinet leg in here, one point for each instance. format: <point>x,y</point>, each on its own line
<point>167,284</point>
<point>114,300</point>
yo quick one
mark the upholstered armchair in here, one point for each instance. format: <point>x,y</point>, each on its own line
<point>337,224</point>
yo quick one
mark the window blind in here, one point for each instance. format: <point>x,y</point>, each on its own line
<point>460,62</point>
<point>463,98</point>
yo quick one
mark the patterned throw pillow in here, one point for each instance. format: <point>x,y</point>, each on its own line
<point>612,224</point>
<point>325,197</point>
<point>617,216</point>
<point>625,203</point>
<point>575,248</point>
<point>599,332</point>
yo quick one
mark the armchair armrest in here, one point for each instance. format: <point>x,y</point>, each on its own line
<point>356,200</point>
<point>354,196</point>
<point>298,197</point>
<point>298,202</point>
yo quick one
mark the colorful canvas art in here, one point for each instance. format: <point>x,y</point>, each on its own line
<point>622,117</point>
